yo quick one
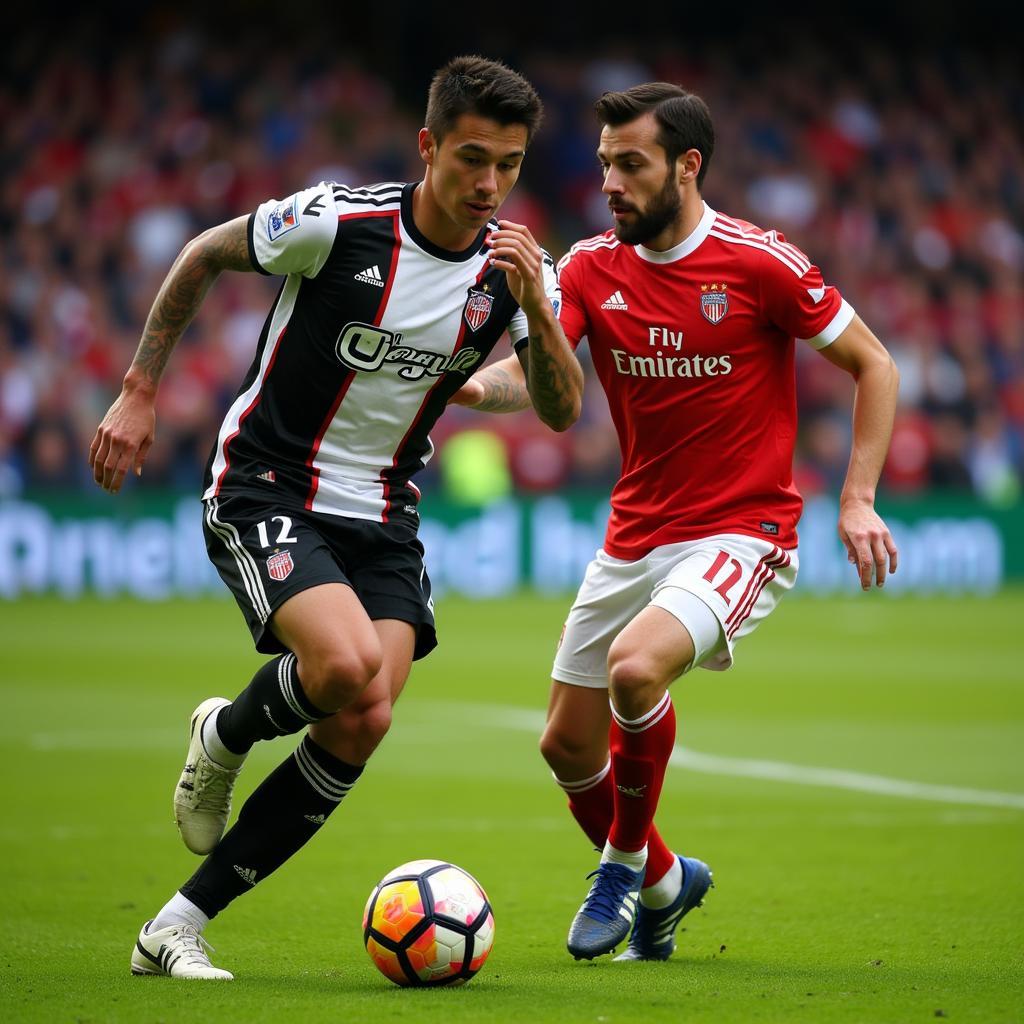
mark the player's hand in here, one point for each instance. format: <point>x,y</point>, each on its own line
<point>122,439</point>
<point>514,250</point>
<point>869,544</point>
<point>470,394</point>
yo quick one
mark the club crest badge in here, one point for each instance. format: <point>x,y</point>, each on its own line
<point>714,302</point>
<point>478,309</point>
<point>279,566</point>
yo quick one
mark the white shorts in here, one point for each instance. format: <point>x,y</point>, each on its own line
<point>740,579</point>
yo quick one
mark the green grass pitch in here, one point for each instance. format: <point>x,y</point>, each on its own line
<point>831,903</point>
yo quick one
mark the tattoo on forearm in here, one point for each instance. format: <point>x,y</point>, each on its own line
<point>554,382</point>
<point>502,392</point>
<point>183,290</point>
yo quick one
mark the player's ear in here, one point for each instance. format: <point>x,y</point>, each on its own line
<point>428,146</point>
<point>689,166</point>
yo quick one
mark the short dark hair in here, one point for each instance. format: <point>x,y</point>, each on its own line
<point>684,121</point>
<point>476,85</point>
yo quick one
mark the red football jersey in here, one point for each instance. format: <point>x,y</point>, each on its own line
<point>694,348</point>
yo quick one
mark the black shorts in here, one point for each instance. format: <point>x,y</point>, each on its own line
<point>267,551</point>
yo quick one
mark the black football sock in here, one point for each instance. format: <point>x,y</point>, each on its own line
<point>281,816</point>
<point>273,704</point>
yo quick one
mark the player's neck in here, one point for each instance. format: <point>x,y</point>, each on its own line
<point>682,227</point>
<point>435,225</point>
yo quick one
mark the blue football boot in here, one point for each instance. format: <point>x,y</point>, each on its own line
<point>607,913</point>
<point>653,935</point>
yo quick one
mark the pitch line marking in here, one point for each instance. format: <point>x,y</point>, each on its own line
<point>838,778</point>
<point>780,771</point>
<point>531,720</point>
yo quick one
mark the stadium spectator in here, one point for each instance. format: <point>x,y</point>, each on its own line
<point>903,173</point>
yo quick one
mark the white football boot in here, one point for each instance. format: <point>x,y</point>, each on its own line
<point>178,951</point>
<point>202,797</point>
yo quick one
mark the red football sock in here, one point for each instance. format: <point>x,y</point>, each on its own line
<point>640,751</point>
<point>592,804</point>
<point>659,858</point>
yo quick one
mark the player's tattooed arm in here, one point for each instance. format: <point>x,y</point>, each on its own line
<point>124,436</point>
<point>500,387</point>
<point>554,377</point>
<point>225,247</point>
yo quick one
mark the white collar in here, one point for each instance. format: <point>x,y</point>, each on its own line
<point>686,246</point>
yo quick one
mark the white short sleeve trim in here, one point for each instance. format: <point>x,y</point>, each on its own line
<point>839,324</point>
<point>295,235</point>
<point>518,329</point>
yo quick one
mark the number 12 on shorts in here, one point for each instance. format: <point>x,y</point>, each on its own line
<point>284,535</point>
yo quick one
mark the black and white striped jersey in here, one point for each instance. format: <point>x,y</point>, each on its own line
<point>373,330</point>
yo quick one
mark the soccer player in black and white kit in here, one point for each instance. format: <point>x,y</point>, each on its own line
<point>392,295</point>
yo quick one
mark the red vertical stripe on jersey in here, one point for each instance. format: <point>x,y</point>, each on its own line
<point>252,405</point>
<point>314,473</point>
<point>423,405</point>
<point>368,214</point>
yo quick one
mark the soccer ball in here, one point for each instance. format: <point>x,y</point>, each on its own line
<point>428,923</point>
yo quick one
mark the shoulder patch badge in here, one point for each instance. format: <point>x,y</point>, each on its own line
<point>282,219</point>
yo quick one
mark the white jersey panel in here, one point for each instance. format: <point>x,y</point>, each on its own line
<point>381,406</point>
<point>248,398</point>
<point>295,235</point>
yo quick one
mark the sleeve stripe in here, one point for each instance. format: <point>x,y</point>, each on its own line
<point>358,200</point>
<point>379,189</point>
<point>780,256</point>
<point>589,245</point>
<point>768,238</point>
<point>836,326</point>
<point>249,227</point>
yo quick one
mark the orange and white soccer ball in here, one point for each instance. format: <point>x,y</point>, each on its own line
<point>428,922</point>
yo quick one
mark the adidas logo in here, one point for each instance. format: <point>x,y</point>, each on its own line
<point>633,791</point>
<point>371,276</point>
<point>615,301</point>
<point>249,874</point>
<point>268,476</point>
<point>317,819</point>
<point>628,908</point>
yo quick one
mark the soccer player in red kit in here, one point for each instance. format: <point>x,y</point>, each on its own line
<point>691,317</point>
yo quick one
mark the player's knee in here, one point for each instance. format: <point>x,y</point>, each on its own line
<point>633,672</point>
<point>337,678</point>
<point>355,732</point>
<point>375,721</point>
<point>365,726</point>
<point>564,750</point>
<point>552,747</point>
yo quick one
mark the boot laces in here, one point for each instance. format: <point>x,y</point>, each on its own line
<point>613,883</point>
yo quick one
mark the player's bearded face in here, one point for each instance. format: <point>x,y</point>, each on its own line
<point>662,209</point>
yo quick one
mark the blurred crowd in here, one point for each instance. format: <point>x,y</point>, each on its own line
<point>901,176</point>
